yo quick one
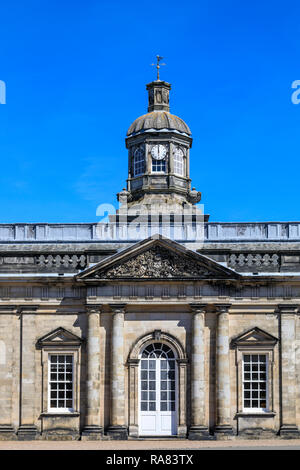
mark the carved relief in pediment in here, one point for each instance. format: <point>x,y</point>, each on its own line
<point>157,262</point>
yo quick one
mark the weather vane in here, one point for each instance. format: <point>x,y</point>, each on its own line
<point>157,65</point>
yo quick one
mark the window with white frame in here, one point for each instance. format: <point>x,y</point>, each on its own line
<point>178,162</point>
<point>159,166</point>
<point>158,378</point>
<point>61,382</point>
<point>139,162</point>
<point>255,382</point>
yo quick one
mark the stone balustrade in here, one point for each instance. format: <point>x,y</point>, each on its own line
<point>74,261</point>
<point>253,260</point>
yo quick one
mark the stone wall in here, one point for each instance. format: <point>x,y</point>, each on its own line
<point>23,324</point>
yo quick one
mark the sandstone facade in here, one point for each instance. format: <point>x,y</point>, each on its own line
<point>109,332</point>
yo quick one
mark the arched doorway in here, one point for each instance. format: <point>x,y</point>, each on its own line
<point>158,389</point>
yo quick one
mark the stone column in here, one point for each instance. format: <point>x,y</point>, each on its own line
<point>288,426</point>
<point>117,428</point>
<point>199,428</point>
<point>92,429</point>
<point>223,426</point>
<point>27,428</point>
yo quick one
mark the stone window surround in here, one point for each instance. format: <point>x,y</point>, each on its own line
<point>46,352</point>
<point>259,348</point>
<point>65,348</point>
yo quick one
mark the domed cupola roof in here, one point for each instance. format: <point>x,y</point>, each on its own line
<point>158,120</point>
<point>158,117</point>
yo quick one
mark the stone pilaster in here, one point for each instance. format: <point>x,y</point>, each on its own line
<point>27,429</point>
<point>223,426</point>
<point>117,428</point>
<point>133,397</point>
<point>182,379</point>
<point>171,159</point>
<point>8,371</point>
<point>199,428</point>
<point>288,426</point>
<point>92,429</point>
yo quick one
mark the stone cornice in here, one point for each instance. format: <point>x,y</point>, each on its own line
<point>21,309</point>
<point>288,308</point>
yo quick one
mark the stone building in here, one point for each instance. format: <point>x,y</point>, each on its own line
<point>133,328</point>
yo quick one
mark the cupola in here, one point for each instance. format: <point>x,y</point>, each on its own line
<point>159,146</point>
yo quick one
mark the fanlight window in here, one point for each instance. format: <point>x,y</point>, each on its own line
<point>158,350</point>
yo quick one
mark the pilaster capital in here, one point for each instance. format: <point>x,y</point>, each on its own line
<point>93,309</point>
<point>198,308</point>
<point>118,308</point>
<point>288,308</point>
<point>222,308</point>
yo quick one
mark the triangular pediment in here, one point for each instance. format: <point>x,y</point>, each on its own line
<point>158,258</point>
<point>58,337</point>
<point>254,336</point>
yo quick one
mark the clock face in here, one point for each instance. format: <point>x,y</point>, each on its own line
<point>159,151</point>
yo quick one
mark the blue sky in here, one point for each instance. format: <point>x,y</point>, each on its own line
<point>75,75</point>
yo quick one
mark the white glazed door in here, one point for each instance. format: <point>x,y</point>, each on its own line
<point>157,404</point>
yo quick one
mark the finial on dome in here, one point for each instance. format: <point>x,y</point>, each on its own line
<point>158,59</point>
<point>158,91</point>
